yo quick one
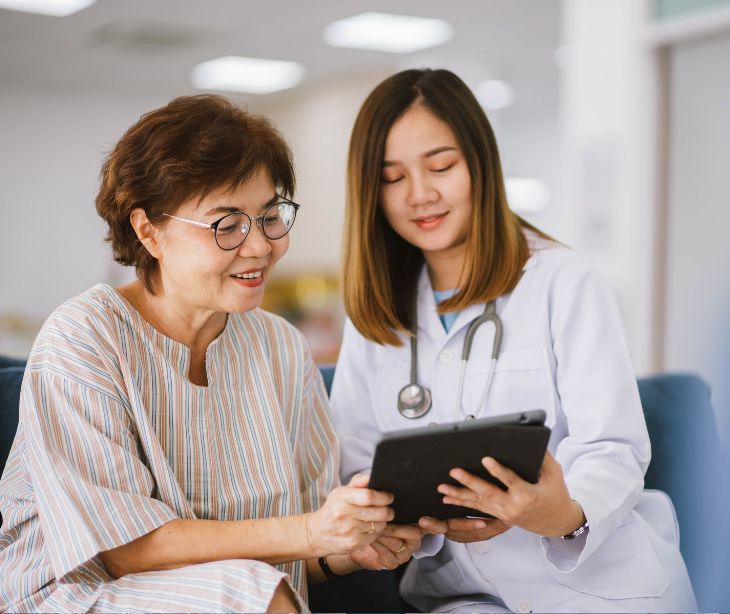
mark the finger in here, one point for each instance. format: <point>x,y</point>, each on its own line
<point>373,528</point>
<point>365,496</point>
<point>466,524</point>
<point>433,525</point>
<point>359,480</point>
<point>404,531</point>
<point>504,474</point>
<point>456,492</point>
<point>391,543</point>
<point>387,558</point>
<point>372,514</point>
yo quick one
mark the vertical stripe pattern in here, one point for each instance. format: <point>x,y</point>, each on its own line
<point>115,441</point>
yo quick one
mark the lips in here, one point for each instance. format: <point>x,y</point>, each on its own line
<point>427,222</point>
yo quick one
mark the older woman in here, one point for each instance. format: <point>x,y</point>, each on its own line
<point>174,451</point>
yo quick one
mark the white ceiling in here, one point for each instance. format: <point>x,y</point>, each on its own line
<point>132,46</point>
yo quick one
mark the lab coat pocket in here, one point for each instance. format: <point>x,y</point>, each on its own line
<point>625,566</point>
<point>522,381</point>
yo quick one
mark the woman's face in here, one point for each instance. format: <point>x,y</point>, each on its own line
<point>198,274</point>
<point>425,189</point>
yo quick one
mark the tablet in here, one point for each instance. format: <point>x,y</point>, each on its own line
<point>411,463</point>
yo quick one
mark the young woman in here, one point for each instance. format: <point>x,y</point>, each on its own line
<point>430,244</point>
<point>174,451</point>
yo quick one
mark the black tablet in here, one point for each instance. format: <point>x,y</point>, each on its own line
<point>412,463</point>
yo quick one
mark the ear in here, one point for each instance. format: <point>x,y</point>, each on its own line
<point>147,233</point>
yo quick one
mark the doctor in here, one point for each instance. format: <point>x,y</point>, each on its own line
<point>430,246</point>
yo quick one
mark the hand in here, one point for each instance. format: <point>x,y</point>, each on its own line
<point>465,530</point>
<point>391,549</point>
<point>544,508</point>
<point>353,516</point>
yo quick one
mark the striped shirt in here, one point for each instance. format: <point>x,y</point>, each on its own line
<point>114,441</point>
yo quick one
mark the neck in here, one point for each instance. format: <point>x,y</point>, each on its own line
<point>445,269</point>
<point>195,328</point>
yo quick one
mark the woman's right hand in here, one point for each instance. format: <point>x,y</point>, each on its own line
<point>353,516</point>
<point>464,530</point>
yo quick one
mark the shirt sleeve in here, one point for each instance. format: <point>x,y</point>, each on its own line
<point>93,490</point>
<point>607,450</point>
<point>318,451</point>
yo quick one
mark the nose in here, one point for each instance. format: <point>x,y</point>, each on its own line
<point>256,245</point>
<point>421,192</point>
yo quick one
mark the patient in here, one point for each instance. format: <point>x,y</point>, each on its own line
<point>174,451</point>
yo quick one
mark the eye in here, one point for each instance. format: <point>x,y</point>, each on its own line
<point>443,169</point>
<point>391,180</point>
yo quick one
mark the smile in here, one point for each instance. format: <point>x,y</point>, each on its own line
<point>430,221</point>
<point>249,275</point>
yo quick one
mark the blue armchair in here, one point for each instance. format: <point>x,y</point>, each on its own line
<point>687,463</point>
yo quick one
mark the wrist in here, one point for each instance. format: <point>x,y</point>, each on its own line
<point>578,523</point>
<point>341,564</point>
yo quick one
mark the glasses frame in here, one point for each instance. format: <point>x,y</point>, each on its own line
<point>258,220</point>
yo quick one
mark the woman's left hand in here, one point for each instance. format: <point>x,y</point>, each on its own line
<point>391,549</point>
<point>544,508</point>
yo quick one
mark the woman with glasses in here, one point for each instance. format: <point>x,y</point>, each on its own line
<point>174,451</point>
<point>432,247</point>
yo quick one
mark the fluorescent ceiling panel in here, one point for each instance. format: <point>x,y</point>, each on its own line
<point>250,75</point>
<point>494,95</point>
<point>57,8</point>
<point>387,32</point>
<point>526,194</point>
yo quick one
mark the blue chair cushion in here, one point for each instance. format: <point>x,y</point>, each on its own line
<point>10,380</point>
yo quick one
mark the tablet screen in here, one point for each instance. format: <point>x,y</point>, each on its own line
<point>412,463</point>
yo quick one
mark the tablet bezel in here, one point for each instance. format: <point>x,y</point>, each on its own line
<point>411,463</point>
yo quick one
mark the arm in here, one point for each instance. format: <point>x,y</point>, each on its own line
<point>342,524</point>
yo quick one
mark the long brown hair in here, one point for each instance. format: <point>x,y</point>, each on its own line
<point>380,268</point>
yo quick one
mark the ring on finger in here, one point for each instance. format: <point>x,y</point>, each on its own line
<point>401,549</point>
<point>372,528</point>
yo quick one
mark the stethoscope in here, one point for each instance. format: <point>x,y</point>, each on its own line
<point>414,400</point>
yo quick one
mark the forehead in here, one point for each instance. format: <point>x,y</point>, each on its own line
<point>418,130</point>
<point>252,194</point>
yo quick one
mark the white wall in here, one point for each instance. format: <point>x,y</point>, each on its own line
<point>54,141</point>
<point>697,336</point>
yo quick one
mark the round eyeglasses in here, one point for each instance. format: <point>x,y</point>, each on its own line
<point>231,230</point>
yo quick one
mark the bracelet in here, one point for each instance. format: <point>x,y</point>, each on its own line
<point>326,569</point>
<point>579,531</point>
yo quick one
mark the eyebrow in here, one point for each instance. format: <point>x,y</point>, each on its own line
<point>231,209</point>
<point>430,153</point>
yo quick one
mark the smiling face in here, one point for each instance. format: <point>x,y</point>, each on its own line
<point>200,276</point>
<point>426,187</point>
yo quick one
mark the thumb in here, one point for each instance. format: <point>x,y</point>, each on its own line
<point>360,480</point>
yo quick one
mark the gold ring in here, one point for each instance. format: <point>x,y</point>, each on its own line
<point>372,528</point>
<point>401,549</point>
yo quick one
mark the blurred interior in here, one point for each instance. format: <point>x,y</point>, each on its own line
<point>613,133</point>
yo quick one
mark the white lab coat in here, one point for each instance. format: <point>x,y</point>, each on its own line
<point>563,350</point>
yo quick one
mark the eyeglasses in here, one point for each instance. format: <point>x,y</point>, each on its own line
<point>232,229</point>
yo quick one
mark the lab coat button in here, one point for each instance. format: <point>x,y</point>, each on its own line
<point>525,605</point>
<point>482,547</point>
<point>446,356</point>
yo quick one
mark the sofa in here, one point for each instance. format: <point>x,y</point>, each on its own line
<point>687,463</point>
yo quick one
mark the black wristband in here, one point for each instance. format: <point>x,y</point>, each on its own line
<point>326,569</point>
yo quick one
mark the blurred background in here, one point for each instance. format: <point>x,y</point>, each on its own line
<point>612,117</point>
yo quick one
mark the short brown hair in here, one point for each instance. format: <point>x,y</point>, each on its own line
<point>497,247</point>
<point>184,150</point>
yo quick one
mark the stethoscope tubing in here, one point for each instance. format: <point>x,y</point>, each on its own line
<point>419,404</point>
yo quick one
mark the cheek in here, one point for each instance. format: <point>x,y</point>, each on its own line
<point>279,248</point>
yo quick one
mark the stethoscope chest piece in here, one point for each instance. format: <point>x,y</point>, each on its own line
<point>414,401</point>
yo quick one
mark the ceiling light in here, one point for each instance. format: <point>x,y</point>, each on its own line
<point>250,75</point>
<point>526,195</point>
<point>494,95</point>
<point>57,8</point>
<point>387,32</point>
